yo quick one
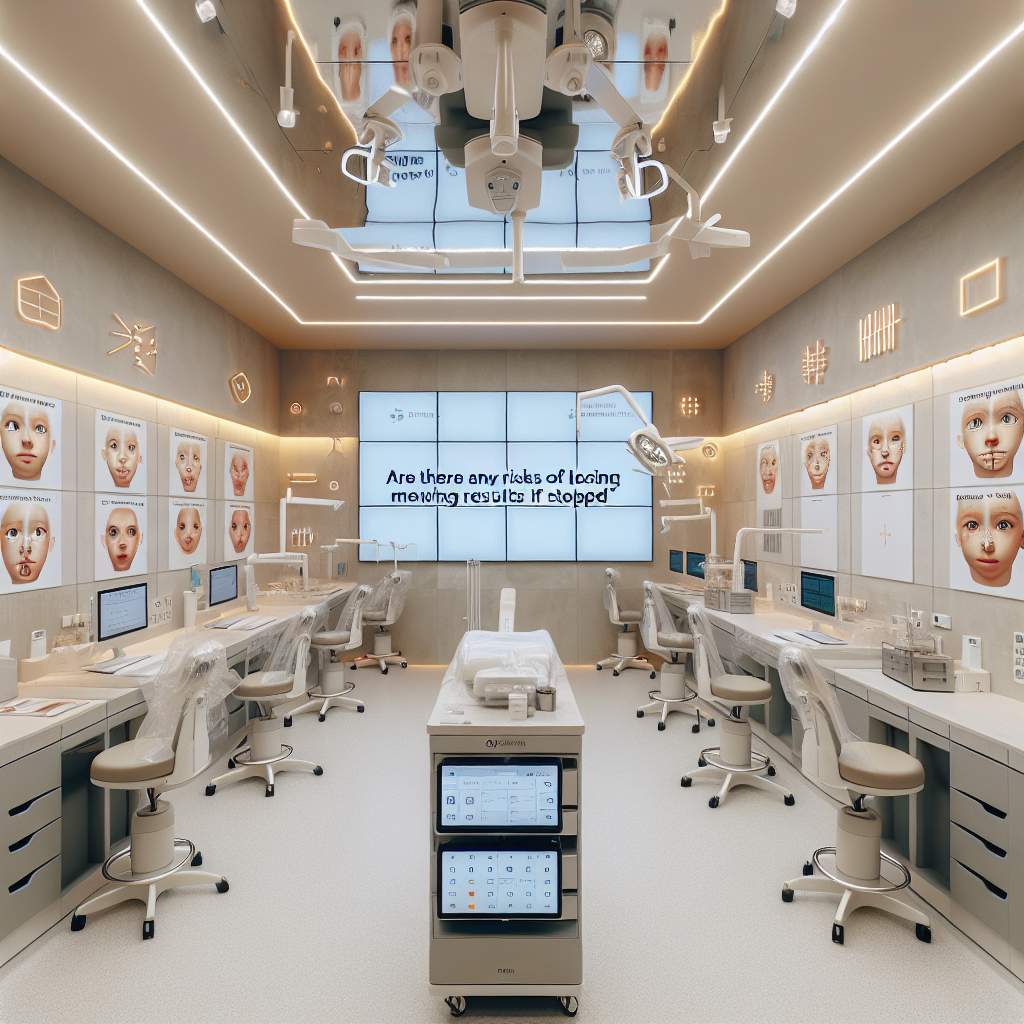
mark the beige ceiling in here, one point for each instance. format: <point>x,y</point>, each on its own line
<point>876,69</point>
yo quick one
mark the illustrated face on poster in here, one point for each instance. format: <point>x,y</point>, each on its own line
<point>187,525</point>
<point>188,470</point>
<point>29,528</point>
<point>988,426</point>
<point>887,535</point>
<point>820,551</point>
<point>655,58</point>
<point>819,471</point>
<point>888,448</point>
<point>30,424</point>
<point>238,471</point>
<point>988,533</point>
<point>121,542</point>
<point>769,476</point>
<point>238,530</point>
<point>350,48</point>
<point>121,452</point>
<point>401,32</point>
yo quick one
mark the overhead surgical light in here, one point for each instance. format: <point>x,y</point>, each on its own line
<point>787,8</point>
<point>287,114</point>
<point>723,125</point>
<point>205,10</point>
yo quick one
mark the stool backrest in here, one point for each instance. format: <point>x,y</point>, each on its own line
<point>610,596</point>
<point>350,619</point>
<point>707,662</point>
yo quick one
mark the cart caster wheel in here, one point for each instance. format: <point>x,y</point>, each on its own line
<point>361,708</point>
<point>924,933</point>
<point>686,782</point>
<point>222,885</point>
<point>211,789</point>
<point>661,727</point>
<point>318,770</point>
<point>148,929</point>
<point>405,664</point>
<point>321,718</point>
<point>771,771</point>
<point>711,722</point>
<point>713,802</point>
<point>838,933</point>
<point>787,895</point>
<point>569,1005</point>
<point>197,860</point>
<point>353,666</point>
<point>654,675</point>
<point>456,1004</point>
<point>695,727</point>
<point>288,722</point>
<point>639,714</point>
<point>701,763</point>
<point>270,790</point>
<point>77,922</point>
<point>615,671</point>
<point>599,667</point>
<point>789,799</point>
<point>231,763</point>
<point>384,671</point>
<point>808,869</point>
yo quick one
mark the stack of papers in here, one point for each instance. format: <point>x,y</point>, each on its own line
<point>40,707</point>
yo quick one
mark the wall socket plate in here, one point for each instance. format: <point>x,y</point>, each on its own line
<point>1018,656</point>
<point>940,621</point>
<point>161,610</point>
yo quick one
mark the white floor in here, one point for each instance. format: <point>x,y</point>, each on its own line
<point>327,915</point>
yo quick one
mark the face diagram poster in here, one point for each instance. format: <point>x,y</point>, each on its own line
<point>29,540</point>
<point>986,428</point>
<point>239,469</point>
<point>187,532</point>
<point>30,426</point>
<point>121,527</point>
<point>819,464</point>
<point>988,533</point>
<point>120,453</point>
<point>887,443</point>
<point>189,469</point>
<point>769,476</point>
<point>238,530</point>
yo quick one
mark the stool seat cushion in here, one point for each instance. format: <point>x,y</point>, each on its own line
<point>681,641</point>
<point>629,616</point>
<point>375,615</point>
<point>332,638</point>
<point>139,760</point>
<point>741,689</point>
<point>878,767</point>
<point>261,685</point>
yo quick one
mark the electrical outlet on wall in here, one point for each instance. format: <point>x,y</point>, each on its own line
<point>940,621</point>
<point>1018,656</point>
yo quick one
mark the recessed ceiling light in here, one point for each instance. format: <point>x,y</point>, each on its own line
<point>205,10</point>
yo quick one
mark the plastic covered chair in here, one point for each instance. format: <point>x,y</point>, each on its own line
<point>626,656</point>
<point>733,762</point>
<point>849,769</point>
<point>661,637</point>
<point>382,609</point>
<point>263,753</point>
<point>184,729</point>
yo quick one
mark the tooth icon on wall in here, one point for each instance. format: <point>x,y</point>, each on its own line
<point>39,303</point>
<point>241,389</point>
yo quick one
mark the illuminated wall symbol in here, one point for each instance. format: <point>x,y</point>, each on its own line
<point>765,387</point>
<point>334,382</point>
<point>335,446</point>
<point>39,303</point>
<point>295,408</point>
<point>705,490</point>
<point>814,363</point>
<point>676,474</point>
<point>689,405</point>
<point>302,478</point>
<point>981,288</point>
<point>335,409</point>
<point>877,332</point>
<point>241,389</point>
<point>334,485</point>
<point>709,450</point>
<point>141,339</point>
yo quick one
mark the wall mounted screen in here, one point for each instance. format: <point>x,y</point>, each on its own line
<point>500,476</point>
<point>818,593</point>
<point>695,564</point>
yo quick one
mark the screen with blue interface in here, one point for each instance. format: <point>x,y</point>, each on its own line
<point>499,795</point>
<point>818,593</point>
<point>120,611</point>
<point>675,561</point>
<point>750,575</point>
<point>499,882</point>
<point>500,476</point>
<point>223,584</point>
<point>695,564</point>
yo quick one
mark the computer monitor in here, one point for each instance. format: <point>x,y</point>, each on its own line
<point>223,584</point>
<point>750,575</point>
<point>695,564</point>
<point>120,611</point>
<point>675,561</point>
<point>818,593</point>
<point>499,794</point>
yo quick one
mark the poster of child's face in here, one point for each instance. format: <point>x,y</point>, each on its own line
<point>655,59</point>
<point>186,521</point>
<point>888,446</point>
<point>350,54</point>
<point>31,426</point>
<point>401,34</point>
<point>188,470</point>
<point>120,453</point>
<point>121,527</point>
<point>988,533</point>
<point>29,532</point>
<point>818,450</point>
<point>769,475</point>
<point>238,471</point>
<point>987,426</point>
<point>239,529</point>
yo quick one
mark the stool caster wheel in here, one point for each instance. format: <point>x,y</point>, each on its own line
<point>569,1005</point>
<point>924,933</point>
<point>456,1005</point>
<point>231,763</point>
<point>789,799</point>
<point>686,782</point>
<point>384,671</point>
<point>787,895</point>
<point>270,790</point>
<point>599,667</point>
<point>404,664</point>
<point>318,770</point>
<point>639,714</point>
<point>197,860</point>
<point>661,727</point>
<point>808,869</point>
<point>615,671</point>
<point>713,802</point>
<point>654,675</point>
<point>361,708</point>
<point>211,789</point>
<point>77,922</point>
<point>222,885</point>
<point>288,722</point>
<point>771,771</point>
<point>321,718</point>
<point>695,727</point>
<point>701,763</point>
<point>838,934</point>
<point>711,722</point>
<point>148,929</point>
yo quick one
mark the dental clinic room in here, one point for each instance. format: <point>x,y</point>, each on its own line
<point>436,433</point>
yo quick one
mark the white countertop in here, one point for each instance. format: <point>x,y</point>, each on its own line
<point>477,718</point>
<point>23,734</point>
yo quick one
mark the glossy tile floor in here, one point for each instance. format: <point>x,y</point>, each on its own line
<point>327,915</point>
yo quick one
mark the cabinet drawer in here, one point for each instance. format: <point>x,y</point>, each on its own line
<point>979,899</point>
<point>29,817</point>
<point>979,776</point>
<point>29,852</point>
<point>26,896</point>
<point>990,861</point>
<point>30,776</point>
<point>980,817</point>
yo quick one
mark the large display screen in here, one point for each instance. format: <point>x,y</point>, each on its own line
<point>513,879</point>
<point>476,794</point>
<point>500,476</point>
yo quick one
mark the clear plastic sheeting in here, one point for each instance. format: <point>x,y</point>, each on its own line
<point>700,626</point>
<point>350,618</point>
<point>293,640</point>
<point>387,598</point>
<point>194,674</point>
<point>759,649</point>
<point>532,652</point>
<point>610,597</point>
<point>657,625</point>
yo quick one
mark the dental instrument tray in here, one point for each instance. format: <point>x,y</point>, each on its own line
<point>918,669</point>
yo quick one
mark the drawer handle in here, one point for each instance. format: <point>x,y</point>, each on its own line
<point>994,811</point>
<point>21,843</point>
<point>22,808</point>
<point>22,882</point>
<point>991,847</point>
<point>994,889</point>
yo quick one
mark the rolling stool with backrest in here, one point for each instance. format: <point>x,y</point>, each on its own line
<point>626,657</point>
<point>382,609</point>
<point>833,758</point>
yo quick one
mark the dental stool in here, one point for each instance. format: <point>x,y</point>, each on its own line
<point>661,637</point>
<point>382,609</point>
<point>733,762</point>
<point>626,657</point>
<point>850,769</point>
<point>263,753</point>
<point>172,748</point>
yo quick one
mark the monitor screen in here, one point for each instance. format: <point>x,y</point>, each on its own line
<point>818,593</point>
<point>695,563</point>
<point>505,879</point>
<point>495,794</point>
<point>120,611</point>
<point>675,561</point>
<point>750,575</point>
<point>223,584</point>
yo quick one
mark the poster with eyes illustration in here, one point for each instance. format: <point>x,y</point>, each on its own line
<point>239,530</point>
<point>239,466</point>
<point>30,429</point>
<point>121,456</point>
<point>30,540</point>
<point>768,481</point>
<point>887,444</point>
<point>186,525</point>
<point>987,536</point>
<point>121,542</point>
<point>986,426</point>
<point>189,467</point>
<point>819,469</point>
